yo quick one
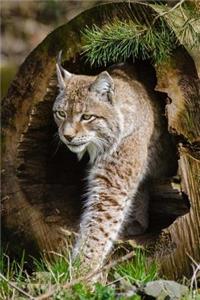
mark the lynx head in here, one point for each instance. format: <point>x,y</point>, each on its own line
<point>86,113</point>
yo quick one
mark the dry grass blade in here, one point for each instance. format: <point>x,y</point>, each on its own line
<point>168,11</point>
<point>11,284</point>
<point>196,270</point>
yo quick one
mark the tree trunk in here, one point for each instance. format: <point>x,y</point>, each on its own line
<point>41,203</point>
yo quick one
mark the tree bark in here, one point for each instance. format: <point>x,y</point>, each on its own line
<point>180,81</point>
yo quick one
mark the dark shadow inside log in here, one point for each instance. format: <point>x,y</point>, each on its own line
<point>53,181</point>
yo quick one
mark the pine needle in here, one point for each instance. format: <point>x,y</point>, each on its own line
<point>119,40</point>
<point>151,37</point>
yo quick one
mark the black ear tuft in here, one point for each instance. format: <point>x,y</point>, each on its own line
<point>62,74</point>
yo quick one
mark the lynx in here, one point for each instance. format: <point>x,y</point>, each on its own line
<point>111,117</point>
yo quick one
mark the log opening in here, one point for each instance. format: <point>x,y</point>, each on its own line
<point>52,180</point>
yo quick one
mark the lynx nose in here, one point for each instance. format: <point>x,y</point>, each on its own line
<point>69,138</point>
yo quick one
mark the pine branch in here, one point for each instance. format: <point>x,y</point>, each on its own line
<point>169,10</point>
<point>117,41</point>
<point>155,39</point>
<point>184,20</point>
<point>188,36</point>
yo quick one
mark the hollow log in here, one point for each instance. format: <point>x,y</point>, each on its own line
<point>179,79</point>
<point>42,183</point>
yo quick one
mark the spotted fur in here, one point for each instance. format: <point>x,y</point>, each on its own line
<point>121,138</point>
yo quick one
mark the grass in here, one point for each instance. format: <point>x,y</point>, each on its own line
<point>13,271</point>
<point>46,274</point>
<point>58,272</point>
<point>136,272</point>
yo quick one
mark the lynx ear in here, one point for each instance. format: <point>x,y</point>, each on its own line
<point>62,74</point>
<point>103,86</point>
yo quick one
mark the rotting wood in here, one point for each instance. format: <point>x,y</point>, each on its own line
<point>180,81</point>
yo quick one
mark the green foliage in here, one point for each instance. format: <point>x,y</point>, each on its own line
<point>139,270</point>
<point>44,276</point>
<point>81,292</point>
<point>58,269</point>
<point>104,293</point>
<point>117,41</point>
<point>136,272</point>
<point>57,273</point>
<point>134,297</point>
<point>13,271</point>
<point>153,39</point>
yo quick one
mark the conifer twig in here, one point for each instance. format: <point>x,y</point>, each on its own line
<point>168,11</point>
<point>16,287</point>
<point>67,285</point>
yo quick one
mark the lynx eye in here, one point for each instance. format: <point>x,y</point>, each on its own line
<point>86,117</point>
<point>60,114</point>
